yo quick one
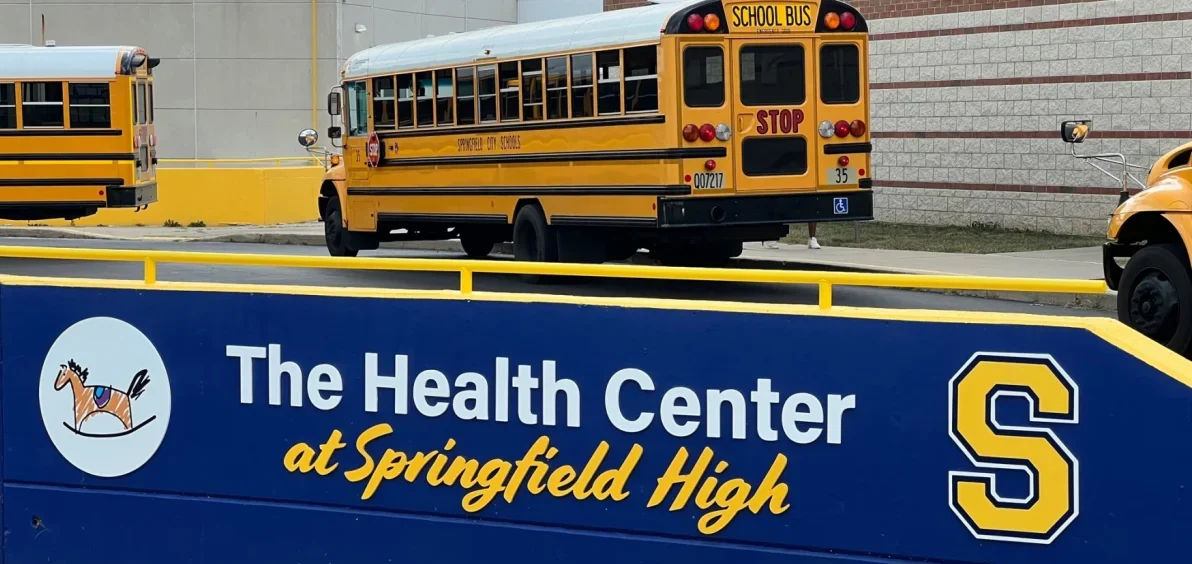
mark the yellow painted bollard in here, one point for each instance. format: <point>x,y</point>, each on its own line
<point>465,281</point>
<point>150,271</point>
<point>825,294</point>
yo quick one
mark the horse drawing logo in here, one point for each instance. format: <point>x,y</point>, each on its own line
<point>90,401</point>
<point>105,397</point>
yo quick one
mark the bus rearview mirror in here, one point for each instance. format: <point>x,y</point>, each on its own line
<point>308,138</point>
<point>1075,131</point>
<point>334,132</point>
<point>333,103</point>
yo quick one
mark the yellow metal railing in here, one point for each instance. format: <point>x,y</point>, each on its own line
<point>468,268</point>
<point>275,161</point>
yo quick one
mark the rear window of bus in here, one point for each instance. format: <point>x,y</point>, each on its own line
<point>773,75</point>
<point>703,77</point>
<point>8,106</point>
<point>840,74</point>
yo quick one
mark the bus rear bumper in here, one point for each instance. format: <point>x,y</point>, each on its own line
<point>132,196</point>
<point>772,209</point>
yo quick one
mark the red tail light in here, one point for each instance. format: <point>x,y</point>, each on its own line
<point>857,128</point>
<point>695,22</point>
<point>691,133</point>
<point>843,160</point>
<point>848,20</point>
<point>842,129</point>
<point>707,132</point>
<point>710,165</point>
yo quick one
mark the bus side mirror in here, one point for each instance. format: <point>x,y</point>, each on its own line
<point>334,132</point>
<point>308,138</point>
<point>1075,131</point>
<point>333,103</point>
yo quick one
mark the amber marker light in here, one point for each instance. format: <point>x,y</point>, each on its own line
<point>712,22</point>
<point>832,20</point>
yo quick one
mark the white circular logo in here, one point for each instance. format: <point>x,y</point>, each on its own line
<point>105,397</point>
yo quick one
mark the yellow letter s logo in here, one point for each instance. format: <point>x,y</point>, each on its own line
<point>1053,500</point>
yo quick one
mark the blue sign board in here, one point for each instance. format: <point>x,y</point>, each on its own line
<point>185,426</point>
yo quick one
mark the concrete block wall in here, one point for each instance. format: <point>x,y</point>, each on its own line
<point>539,10</point>
<point>619,4</point>
<point>235,78</point>
<point>968,95</point>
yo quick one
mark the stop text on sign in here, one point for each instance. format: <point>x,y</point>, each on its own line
<point>778,121</point>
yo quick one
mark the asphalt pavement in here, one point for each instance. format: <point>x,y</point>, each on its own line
<point>739,292</point>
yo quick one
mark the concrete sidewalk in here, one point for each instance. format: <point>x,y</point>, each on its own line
<point>1073,264</point>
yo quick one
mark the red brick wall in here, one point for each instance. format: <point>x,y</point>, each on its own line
<point>618,4</point>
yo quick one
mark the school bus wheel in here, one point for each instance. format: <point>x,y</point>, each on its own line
<point>476,243</point>
<point>1155,296</point>
<point>336,235</point>
<point>533,239</point>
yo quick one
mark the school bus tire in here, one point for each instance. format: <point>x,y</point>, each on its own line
<point>1155,296</point>
<point>534,240</point>
<point>336,235</point>
<point>476,244</point>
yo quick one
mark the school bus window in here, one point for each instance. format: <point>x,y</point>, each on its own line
<point>510,100</point>
<point>532,91</point>
<point>840,74</point>
<point>487,77</point>
<point>142,103</point>
<point>90,106</point>
<point>641,79</point>
<point>444,94</point>
<point>608,88</point>
<point>465,96</point>
<point>357,109</point>
<point>41,104</point>
<point>384,103</point>
<point>774,156</point>
<point>772,75</point>
<point>405,101</point>
<point>583,95</point>
<point>556,88</point>
<point>703,77</point>
<point>150,103</point>
<point>8,106</point>
<point>424,92</point>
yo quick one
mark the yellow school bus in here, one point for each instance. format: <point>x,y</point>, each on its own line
<point>1150,230</point>
<point>76,131</point>
<point>685,128</point>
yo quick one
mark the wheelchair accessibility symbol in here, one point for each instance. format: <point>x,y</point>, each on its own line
<point>840,206</point>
